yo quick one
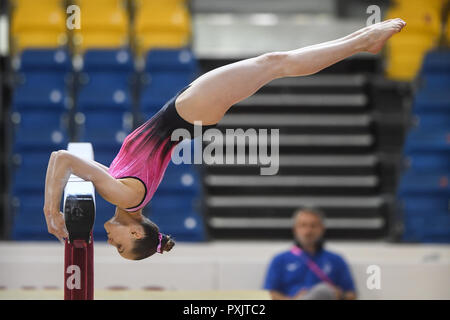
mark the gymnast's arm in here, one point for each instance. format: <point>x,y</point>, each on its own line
<point>61,165</point>
<point>110,188</point>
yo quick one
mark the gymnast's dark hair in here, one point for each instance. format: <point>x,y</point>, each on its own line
<point>147,246</point>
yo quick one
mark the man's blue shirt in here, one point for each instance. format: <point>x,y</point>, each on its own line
<point>288,273</point>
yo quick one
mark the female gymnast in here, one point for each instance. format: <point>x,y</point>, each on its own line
<point>136,171</point>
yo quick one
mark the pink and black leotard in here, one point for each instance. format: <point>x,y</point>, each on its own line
<point>145,153</point>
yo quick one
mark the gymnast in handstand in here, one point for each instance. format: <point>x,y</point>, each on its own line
<point>135,173</point>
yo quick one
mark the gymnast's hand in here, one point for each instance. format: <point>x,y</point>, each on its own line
<point>56,224</point>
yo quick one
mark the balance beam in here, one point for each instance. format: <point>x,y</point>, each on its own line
<point>79,215</point>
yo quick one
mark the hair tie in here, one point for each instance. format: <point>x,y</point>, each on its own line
<point>158,249</point>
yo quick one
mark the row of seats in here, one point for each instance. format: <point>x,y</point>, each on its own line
<point>102,24</point>
<point>38,23</point>
<point>105,90</point>
<point>424,189</point>
<point>405,51</point>
<point>98,100</point>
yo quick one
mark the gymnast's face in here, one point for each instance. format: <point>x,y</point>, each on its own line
<point>122,231</point>
<point>308,228</point>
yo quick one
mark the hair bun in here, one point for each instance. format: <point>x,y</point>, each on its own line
<point>167,243</point>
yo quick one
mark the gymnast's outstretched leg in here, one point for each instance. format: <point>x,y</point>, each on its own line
<point>212,94</point>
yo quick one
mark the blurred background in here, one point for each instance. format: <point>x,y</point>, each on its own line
<point>366,140</point>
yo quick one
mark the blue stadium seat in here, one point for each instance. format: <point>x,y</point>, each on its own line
<point>103,129</point>
<point>39,131</point>
<point>161,88</point>
<point>110,100</point>
<point>29,221</point>
<point>167,72</point>
<point>108,60</point>
<point>170,60</point>
<point>174,203</point>
<point>430,183</point>
<point>436,80</point>
<point>178,216</point>
<point>150,104</point>
<point>107,91</point>
<point>105,79</point>
<point>427,140</point>
<point>427,226</point>
<point>437,61</point>
<point>434,99</point>
<point>45,60</point>
<point>424,203</point>
<point>180,179</point>
<point>29,174</point>
<point>428,161</point>
<point>432,120</point>
<point>40,90</point>
<point>423,190</point>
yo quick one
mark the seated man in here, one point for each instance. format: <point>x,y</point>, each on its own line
<point>308,271</point>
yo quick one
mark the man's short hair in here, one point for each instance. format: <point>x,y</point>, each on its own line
<point>315,211</point>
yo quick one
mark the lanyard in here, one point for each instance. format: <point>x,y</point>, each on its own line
<point>311,265</point>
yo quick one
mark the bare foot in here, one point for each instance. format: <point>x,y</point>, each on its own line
<point>377,34</point>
